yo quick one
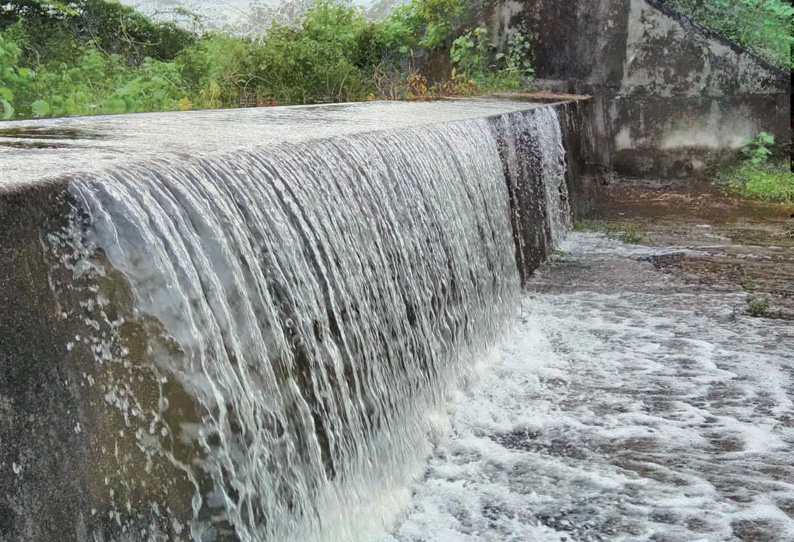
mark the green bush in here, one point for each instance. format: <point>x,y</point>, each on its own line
<point>759,175</point>
<point>94,56</point>
<point>626,233</point>
<point>55,31</point>
<point>757,307</point>
<point>758,150</point>
<point>215,70</point>
<point>761,26</point>
<point>93,82</point>
<point>476,56</point>
<point>14,80</point>
<point>421,24</point>
<point>319,60</point>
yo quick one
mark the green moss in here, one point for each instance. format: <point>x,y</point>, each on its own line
<point>626,233</point>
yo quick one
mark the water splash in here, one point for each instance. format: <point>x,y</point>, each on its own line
<point>316,301</point>
<point>627,405</point>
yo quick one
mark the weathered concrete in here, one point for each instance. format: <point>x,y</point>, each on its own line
<point>79,381</point>
<point>671,97</point>
<point>69,463</point>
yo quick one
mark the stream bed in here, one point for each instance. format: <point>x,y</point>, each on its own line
<point>627,404</point>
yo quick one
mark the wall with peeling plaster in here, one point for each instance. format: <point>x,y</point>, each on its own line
<point>672,97</point>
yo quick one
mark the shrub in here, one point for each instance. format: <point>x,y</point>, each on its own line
<point>216,69</point>
<point>476,56</point>
<point>768,181</point>
<point>94,56</point>
<point>421,23</point>
<point>758,175</point>
<point>92,83</point>
<point>55,31</point>
<point>758,150</point>
<point>317,60</point>
<point>757,307</point>
<point>14,80</point>
<point>626,233</point>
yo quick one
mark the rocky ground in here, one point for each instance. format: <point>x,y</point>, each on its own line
<point>722,241</point>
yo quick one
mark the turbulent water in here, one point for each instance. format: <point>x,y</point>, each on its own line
<point>626,405</point>
<point>319,301</point>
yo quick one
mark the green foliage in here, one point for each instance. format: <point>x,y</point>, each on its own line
<point>473,52</point>
<point>767,181</point>
<point>421,23</point>
<point>323,59</point>
<point>630,236</point>
<point>758,150</point>
<point>626,233</point>
<point>55,31</point>
<point>14,80</point>
<point>759,175</point>
<point>215,70</point>
<point>94,56</point>
<point>762,26</point>
<point>519,56</point>
<point>757,307</point>
<point>93,83</point>
<point>479,58</point>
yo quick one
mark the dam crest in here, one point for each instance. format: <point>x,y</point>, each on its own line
<point>252,337</point>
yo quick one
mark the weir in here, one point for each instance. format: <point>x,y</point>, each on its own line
<point>241,325</point>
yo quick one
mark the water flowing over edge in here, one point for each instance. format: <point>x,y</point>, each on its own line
<point>305,310</point>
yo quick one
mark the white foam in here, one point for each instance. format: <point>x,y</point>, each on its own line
<point>626,405</point>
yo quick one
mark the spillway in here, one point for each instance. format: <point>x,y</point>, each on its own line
<point>244,325</point>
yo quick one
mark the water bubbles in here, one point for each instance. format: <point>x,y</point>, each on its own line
<point>320,301</point>
<point>623,407</point>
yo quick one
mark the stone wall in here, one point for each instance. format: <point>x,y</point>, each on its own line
<point>671,96</point>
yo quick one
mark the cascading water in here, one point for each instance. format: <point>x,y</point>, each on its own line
<point>305,308</point>
<point>534,160</point>
<point>546,126</point>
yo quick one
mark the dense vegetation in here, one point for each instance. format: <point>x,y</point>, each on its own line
<point>94,56</point>
<point>761,173</point>
<point>761,26</point>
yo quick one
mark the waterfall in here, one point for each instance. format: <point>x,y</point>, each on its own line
<point>306,307</point>
<point>546,126</point>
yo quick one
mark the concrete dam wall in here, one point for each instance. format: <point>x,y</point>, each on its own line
<point>235,325</point>
<point>671,96</point>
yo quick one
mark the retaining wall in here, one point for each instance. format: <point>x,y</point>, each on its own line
<point>671,97</point>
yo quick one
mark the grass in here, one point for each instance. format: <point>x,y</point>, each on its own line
<point>771,181</point>
<point>757,307</point>
<point>762,26</point>
<point>622,232</point>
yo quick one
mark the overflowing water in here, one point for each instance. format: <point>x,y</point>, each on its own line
<point>308,310</point>
<point>33,150</point>
<point>626,405</point>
